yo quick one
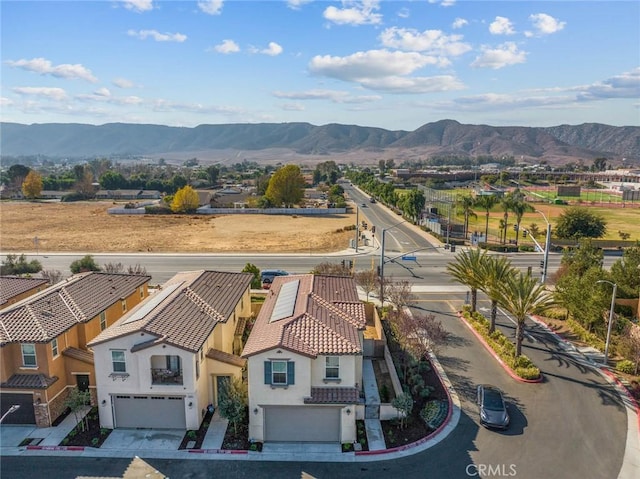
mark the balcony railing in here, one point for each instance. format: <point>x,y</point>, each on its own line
<point>166,376</point>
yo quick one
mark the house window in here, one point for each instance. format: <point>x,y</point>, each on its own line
<point>332,367</point>
<point>54,347</point>
<point>103,321</point>
<point>279,373</point>
<point>118,363</point>
<point>141,292</point>
<point>29,355</point>
<point>124,305</point>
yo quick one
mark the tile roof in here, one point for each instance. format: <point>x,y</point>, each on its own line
<point>12,286</point>
<point>47,314</point>
<point>79,354</point>
<point>28,381</point>
<point>195,302</point>
<point>227,358</point>
<point>333,395</point>
<point>327,316</point>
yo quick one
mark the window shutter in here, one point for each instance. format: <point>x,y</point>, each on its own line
<point>291,370</point>
<point>267,372</point>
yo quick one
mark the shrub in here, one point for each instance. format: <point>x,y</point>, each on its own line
<point>384,393</point>
<point>528,373</point>
<point>191,435</point>
<point>95,441</point>
<point>626,366</point>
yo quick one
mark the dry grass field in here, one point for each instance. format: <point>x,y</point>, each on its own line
<point>87,227</point>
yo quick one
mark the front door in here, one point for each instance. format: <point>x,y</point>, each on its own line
<point>222,383</point>
<point>82,380</point>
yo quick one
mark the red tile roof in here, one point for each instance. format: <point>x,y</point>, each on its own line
<point>333,395</point>
<point>29,381</point>
<point>12,286</point>
<point>327,316</point>
<point>49,313</point>
<point>195,302</point>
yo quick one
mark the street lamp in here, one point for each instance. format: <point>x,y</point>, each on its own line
<point>547,246</point>
<point>613,304</point>
<point>11,410</point>
<point>382,260</point>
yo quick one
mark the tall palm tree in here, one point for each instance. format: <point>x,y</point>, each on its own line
<point>521,295</point>
<point>505,204</point>
<point>519,207</point>
<point>467,270</point>
<point>464,205</point>
<point>486,202</point>
<point>495,271</point>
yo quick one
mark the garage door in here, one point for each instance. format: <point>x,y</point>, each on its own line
<point>24,415</point>
<point>157,412</point>
<point>302,424</point>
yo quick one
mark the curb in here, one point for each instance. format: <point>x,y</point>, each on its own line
<point>55,448</point>
<point>632,400</point>
<point>509,371</point>
<point>218,451</point>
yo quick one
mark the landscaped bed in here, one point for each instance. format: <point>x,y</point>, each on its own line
<point>92,435</point>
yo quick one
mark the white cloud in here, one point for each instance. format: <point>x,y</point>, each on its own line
<point>501,26</point>
<point>157,36</point>
<point>444,3</point>
<point>211,7</point>
<point>226,47</point>
<point>499,57</point>
<point>123,83</point>
<point>296,4</point>
<point>354,13</point>
<point>4,101</point>
<point>272,50</point>
<point>335,96</point>
<point>102,92</point>
<point>626,85</point>
<point>431,41</point>
<point>545,24</point>
<point>403,13</point>
<point>57,94</point>
<point>293,107</point>
<point>138,5</point>
<point>414,85</point>
<point>45,67</point>
<point>459,23</point>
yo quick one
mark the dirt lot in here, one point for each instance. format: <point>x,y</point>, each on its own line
<point>87,227</point>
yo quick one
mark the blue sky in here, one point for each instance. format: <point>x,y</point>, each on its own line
<point>390,64</point>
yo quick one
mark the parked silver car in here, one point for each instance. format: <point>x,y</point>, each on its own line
<point>493,409</point>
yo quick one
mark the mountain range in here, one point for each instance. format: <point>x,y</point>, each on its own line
<point>556,145</point>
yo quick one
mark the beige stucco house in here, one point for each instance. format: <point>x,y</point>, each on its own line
<point>164,362</point>
<point>43,341</point>
<point>304,359</point>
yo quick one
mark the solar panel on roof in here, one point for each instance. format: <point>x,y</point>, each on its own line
<point>152,303</point>
<point>286,301</point>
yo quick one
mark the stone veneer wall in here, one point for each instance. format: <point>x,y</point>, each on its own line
<point>57,407</point>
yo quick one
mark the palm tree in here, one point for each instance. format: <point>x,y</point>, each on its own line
<point>467,270</point>
<point>464,205</point>
<point>505,204</point>
<point>522,295</point>
<point>495,271</point>
<point>519,207</point>
<point>486,202</point>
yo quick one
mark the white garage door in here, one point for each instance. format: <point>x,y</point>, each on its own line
<point>157,412</point>
<point>302,424</point>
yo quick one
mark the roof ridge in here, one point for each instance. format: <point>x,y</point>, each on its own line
<point>202,304</point>
<point>70,303</point>
<point>36,320</point>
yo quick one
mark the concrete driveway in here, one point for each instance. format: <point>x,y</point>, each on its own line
<point>144,439</point>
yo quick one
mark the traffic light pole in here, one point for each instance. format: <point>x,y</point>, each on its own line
<point>547,246</point>
<point>382,260</point>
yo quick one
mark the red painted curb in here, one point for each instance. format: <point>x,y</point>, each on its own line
<point>509,371</point>
<point>218,451</point>
<point>55,448</point>
<point>627,392</point>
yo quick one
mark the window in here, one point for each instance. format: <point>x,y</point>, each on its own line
<point>54,347</point>
<point>279,373</point>
<point>197,369</point>
<point>124,305</point>
<point>141,292</point>
<point>29,355</point>
<point>332,367</point>
<point>118,362</point>
<point>103,321</point>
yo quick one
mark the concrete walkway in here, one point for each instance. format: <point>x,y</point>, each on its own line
<point>375,437</point>
<point>216,432</point>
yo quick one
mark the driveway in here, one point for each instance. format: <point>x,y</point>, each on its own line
<point>144,439</point>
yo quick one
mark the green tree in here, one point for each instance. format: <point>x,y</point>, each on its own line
<point>404,404</point>
<point>494,271</point>
<point>464,205</point>
<point>467,270</point>
<point>32,185</point>
<point>17,265</point>
<point>85,264</point>
<point>522,295</point>
<point>486,202</point>
<point>519,207</point>
<point>77,402</point>
<point>577,222</point>
<point>286,186</point>
<point>506,204</point>
<point>412,204</point>
<point>185,200</point>
<point>233,402</point>
<point>625,273</point>
<point>212,174</point>
<point>112,180</point>
<point>252,268</point>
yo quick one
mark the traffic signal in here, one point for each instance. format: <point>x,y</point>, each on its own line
<point>542,264</point>
<point>515,227</point>
<point>524,233</point>
<point>373,228</point>
<point>377,270</point>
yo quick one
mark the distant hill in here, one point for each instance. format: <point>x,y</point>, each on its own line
<point>446,137</point>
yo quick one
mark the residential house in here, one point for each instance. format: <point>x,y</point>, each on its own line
<point>304,361</point>
<point>162,364</point>
<point>43,341</point>
<point>16,288</point>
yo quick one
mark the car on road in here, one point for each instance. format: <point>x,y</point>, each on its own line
<point>267,276</point>
<point>492,407</point>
